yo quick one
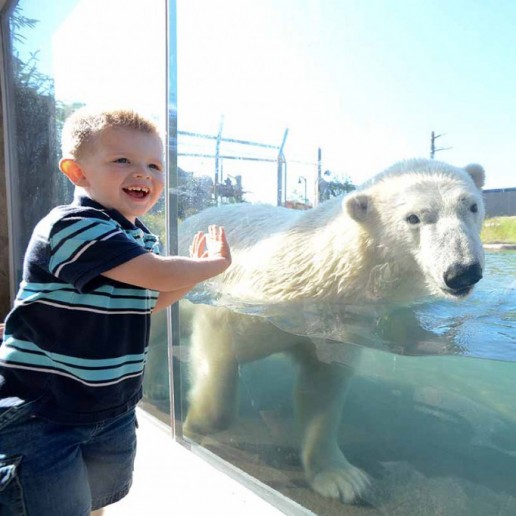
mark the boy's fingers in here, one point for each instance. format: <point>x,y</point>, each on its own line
<point>216,231</point>
<point>198,243</point>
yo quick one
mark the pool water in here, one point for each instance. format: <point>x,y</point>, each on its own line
<point>430,413</point>
<point>485,325</point>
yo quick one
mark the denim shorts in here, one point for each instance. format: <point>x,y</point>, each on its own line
<point>51,469</point>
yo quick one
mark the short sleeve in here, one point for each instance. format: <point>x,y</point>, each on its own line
<point>82,248</point>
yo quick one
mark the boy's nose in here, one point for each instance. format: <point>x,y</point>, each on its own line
<point>141,172</point>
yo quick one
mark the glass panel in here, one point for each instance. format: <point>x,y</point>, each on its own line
<point>61,55</point>
<point>353,354</point>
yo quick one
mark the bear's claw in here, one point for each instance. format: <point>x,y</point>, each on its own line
<point>347,484</point>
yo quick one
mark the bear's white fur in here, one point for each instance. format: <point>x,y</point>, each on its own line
<point>408,233</point>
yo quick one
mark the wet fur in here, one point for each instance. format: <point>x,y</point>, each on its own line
<point>357,249</point>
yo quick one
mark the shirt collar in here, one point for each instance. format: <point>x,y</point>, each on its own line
<point>83,200</point>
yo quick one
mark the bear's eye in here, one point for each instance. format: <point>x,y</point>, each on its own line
<point>413,219</point>
<point>474,208</point>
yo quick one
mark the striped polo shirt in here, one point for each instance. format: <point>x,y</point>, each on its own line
<point>76,340</point>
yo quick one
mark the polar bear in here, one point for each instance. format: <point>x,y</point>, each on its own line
<point>409,233</point>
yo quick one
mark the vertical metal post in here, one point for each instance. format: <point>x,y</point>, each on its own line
<point>217,161</point>
<point>317,196</point>
<point>171,204</point>
<point>16,248</point>
<point>282,176</point>
<point>304,180</point>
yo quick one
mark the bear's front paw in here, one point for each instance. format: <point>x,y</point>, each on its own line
<point>347,483</point>
<point>205,425</point>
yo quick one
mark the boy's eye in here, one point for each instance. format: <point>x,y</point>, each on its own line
<point>155,167</point>
<point>121,160</point>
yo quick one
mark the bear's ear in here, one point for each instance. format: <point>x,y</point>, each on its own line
<point>357,206</point>
<point>477,173</point>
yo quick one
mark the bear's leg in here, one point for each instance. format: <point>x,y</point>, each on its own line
<point>214,372</point>
<point>320,397</point>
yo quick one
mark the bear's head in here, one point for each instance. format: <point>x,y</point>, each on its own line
<point>424,217</point>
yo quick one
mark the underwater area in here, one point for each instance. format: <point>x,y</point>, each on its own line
<point>433,423</point>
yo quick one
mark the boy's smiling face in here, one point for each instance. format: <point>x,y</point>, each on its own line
<point>121,169</point>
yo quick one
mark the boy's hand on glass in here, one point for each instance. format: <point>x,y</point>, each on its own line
<point>212,245</point>
<point>209,256</point>
<point>217,244</point>
<point>198,246</point>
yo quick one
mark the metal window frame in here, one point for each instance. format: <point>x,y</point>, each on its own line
<point>9,126</point>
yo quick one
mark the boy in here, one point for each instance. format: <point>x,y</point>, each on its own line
<point>75,344</point>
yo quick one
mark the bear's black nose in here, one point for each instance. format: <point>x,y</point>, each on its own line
<point>460,276</point>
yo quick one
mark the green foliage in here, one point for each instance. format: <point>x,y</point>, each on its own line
<point>334,186</point>
<point>37,184</point>
<point>18,22</point>
<point>26,71</point>
<point>195,193</point>
<point>499,230</point>
<point>156,222</point>
<point>28,75</point>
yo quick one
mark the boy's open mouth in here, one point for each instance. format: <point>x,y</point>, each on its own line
<point>138,192</point>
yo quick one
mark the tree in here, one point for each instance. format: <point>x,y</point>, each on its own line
<point>36,128</point>
<point>335,186</point>
<point>36,187</point>
<point>195,193</point>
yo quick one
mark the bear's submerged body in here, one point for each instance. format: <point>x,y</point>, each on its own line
<point>409,233</point>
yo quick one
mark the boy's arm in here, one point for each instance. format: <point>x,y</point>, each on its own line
<point>166,274</point>
<point>166,299</point>
<point>197,250</point>
<point>210,256</point>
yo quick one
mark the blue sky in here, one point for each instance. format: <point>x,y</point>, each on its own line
<point>109,52</point>
<point>365,80</point>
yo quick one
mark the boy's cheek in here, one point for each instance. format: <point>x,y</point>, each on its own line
<point>161,186</point>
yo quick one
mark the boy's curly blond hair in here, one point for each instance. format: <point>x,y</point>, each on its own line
<point>82,126</point>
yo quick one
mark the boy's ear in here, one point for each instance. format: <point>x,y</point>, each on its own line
<point>72,170</point>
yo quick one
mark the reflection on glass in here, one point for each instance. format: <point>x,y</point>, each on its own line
<point>386,311</point>
<point>62,55</point>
